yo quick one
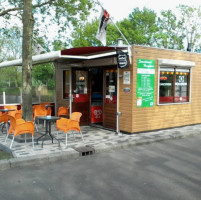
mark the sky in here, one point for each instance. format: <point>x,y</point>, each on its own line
<point>119,10</point>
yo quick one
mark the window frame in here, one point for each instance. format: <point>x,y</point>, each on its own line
<point>63,82</point>
<point>177,65</point>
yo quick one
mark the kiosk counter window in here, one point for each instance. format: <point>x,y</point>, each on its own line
<point>174,85</point>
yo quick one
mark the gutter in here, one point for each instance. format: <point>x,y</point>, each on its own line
<point>52,56</point>
<point>42,57</point>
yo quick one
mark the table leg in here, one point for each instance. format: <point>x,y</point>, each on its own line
<point>50,131</point>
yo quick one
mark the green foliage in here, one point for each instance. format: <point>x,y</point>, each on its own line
<point>63,13</point>
<point>144,27</point>
<point>85,35</point>
<point>191,18</point>
<point>140,26</point>
<point>138,29</point>
<point>43,75</point>
<point>10,43</point>
<point>10,77</point>
<point>170,32</point>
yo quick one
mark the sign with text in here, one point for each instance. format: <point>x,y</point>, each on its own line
<point>126,78</point>
<point>122,59</point>
<point>145,82</point>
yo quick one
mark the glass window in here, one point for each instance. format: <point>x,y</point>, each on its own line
<point>81,82</point>
<point>111,86</point>
<point>174,85</point>
<point>181,86</point>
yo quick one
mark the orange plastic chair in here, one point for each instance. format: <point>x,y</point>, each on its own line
<point>12,113</point>
<point>18,114</point>
<point>18,127</point>
<point>72,124</point>
<point>63,111</point>
<point>4,121</point>
<point>38,110</point>
<point>48,110</point>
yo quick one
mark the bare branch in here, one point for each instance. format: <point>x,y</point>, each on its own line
<point>43,4</point>
<point>5,12</point>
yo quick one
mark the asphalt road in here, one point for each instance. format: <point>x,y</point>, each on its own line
<point>169,170</point>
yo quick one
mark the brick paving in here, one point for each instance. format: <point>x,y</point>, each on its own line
<point>97,138</point>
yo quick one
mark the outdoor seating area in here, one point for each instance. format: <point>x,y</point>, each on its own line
<point>94,137</point>
<point>62,135</point>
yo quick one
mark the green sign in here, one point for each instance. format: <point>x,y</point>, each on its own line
<point>145,82</point>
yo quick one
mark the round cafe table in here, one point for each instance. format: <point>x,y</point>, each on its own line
<point>48,120</point>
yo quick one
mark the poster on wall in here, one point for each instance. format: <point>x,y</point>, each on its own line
<point>145,82</point>
<point>126,78</point>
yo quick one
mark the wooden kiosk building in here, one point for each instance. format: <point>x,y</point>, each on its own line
<point>159,89</point>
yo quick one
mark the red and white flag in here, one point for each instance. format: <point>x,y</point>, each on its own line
<point>101,33</point>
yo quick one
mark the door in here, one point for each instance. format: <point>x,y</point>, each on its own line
<point>110,98</point>
<point>81,94</point>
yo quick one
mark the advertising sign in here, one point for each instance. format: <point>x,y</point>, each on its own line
<point>96,114</point>
<point>126,78</point>
<point>145,82</point>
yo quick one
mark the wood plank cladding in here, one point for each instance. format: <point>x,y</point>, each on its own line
<point>135,119</point>
<point>109,116</point>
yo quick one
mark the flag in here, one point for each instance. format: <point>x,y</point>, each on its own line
<point>101,33</point>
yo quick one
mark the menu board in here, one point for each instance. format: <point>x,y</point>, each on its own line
<point>145,82</point>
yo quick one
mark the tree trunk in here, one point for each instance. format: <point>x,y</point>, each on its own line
<point>28,23</point>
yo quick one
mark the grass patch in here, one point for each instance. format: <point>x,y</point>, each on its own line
<point>4,155</point>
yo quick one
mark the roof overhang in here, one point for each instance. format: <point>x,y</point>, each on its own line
<point>69,55</point>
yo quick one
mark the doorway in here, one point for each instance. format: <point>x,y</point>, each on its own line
<point>81,94</point>
<point>96,96</point>
<point>104,97</point>
<point>94,92</point>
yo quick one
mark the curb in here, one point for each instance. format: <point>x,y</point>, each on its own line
<point>43,159</point>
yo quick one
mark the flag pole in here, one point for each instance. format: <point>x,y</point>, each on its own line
<point>115,25</point>
<point>120,31</point>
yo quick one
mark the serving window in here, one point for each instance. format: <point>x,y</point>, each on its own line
<point>174,85</point>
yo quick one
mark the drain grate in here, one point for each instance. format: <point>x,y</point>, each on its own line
<point>85,151</point>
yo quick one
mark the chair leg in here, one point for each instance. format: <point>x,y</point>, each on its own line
<point>12,143</point>
<point>82,136</point>
<point>73,135</point>
<point>33,141</point>
<point>7,128</point>
<point>6,139</point>
<point>66,140</point>
<point>35,125</point>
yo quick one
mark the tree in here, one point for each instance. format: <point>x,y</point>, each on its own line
<point>10,43</point>
<point>138,29</point>
<point>85,35</point>
<point>170,32</point>
<point>191,18</point>
<point>140,26</point>
<point>63,13</point>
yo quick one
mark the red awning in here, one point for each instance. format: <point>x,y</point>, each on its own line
<point>87,50</point>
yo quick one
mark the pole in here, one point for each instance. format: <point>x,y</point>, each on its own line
<point>117,119</point>
<point>120,32</point>
<point>115,25</point>
<point>4,98</point>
